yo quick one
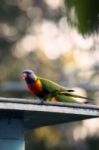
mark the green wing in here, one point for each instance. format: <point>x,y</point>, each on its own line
<point>50,86</point>
<point>59,92</point>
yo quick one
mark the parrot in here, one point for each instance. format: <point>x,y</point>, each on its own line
<point>47,90</point>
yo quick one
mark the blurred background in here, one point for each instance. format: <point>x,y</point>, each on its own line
<point>59,40</point>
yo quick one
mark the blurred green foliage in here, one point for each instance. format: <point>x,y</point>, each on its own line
<point>86,15</point>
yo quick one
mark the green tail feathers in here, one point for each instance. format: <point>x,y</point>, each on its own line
<point>64,96</point>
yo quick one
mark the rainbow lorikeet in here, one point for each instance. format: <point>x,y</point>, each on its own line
<point>48,90</point>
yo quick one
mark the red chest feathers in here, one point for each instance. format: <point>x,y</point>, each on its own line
<point>36,87</point>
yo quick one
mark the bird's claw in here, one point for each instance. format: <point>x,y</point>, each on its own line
<point>41,102</point>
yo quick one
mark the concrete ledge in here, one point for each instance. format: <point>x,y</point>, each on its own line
<point>36,115</point>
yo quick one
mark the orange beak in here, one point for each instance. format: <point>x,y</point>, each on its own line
<point>23,75</point>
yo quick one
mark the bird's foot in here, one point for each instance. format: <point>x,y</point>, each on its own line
<point>41,102</point>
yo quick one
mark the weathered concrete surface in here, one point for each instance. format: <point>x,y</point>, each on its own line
<point>34,114</point>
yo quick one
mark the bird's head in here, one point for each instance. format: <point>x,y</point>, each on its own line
<point>28,75</point>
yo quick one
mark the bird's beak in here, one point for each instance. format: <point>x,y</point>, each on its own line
<point>23,75</point>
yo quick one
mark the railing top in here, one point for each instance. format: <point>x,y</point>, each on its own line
<point>36,114</point>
